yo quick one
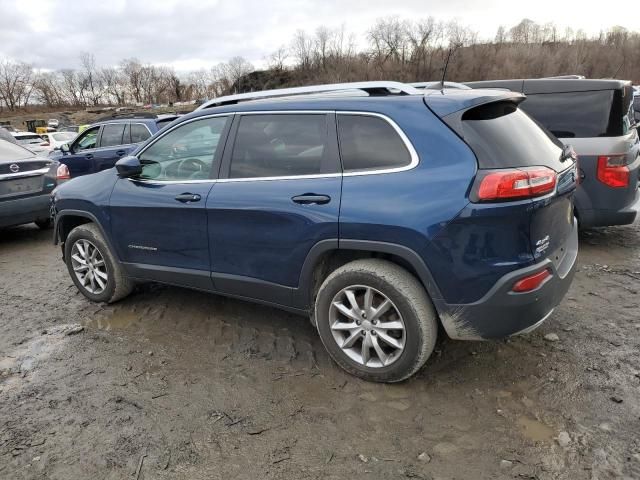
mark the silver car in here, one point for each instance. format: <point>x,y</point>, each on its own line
<point>596,117</point>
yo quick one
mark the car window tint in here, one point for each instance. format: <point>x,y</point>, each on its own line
<point>575,114</point>
<point>279,145</point>
<point>370,143</point>
<point>112,135</point>
<point>185,153</point>
<point>139,133</point>
<point>503,136</point>
<point>87,140</point>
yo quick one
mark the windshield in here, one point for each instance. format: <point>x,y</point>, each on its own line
<point>11,151</point>
<point>63,136</point>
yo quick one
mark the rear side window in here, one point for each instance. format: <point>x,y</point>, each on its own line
<point>578,114</point>
<point>280,145</point>
<point>112,135</point>
<point>503,136</point>
<point>139,133</point>
<point>370,143</point>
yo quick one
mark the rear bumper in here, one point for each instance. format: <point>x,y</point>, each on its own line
<point>24,210</point>
<point>606,217</point>
<point>501,312</point>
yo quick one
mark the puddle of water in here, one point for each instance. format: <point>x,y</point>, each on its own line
<point>535,430</point>
<point>118,320</point>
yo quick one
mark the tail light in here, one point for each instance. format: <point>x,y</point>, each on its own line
<point>516,183</point>
<point>613,171</point>
<point>531,282</point>
<point>63,172</point>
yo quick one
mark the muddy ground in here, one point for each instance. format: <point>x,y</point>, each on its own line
<point>177,384</point>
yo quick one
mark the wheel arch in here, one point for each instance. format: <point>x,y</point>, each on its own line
<point>327,255</point>
<point>67,220</point>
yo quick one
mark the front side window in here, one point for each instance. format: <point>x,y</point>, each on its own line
<point>185,153</point>
<point>370,143</point>
<point>87,140</point>
<point>277,145</point>
<point>112,135</point>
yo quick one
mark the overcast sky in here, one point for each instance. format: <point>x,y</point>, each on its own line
<point>190,34</point>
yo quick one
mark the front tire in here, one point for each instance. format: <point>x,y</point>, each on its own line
<point>376,320</point>
<point>93,268</point>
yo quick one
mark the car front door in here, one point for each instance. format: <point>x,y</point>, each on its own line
<point>278,195</point>
<point>159,221</point>
<point>79,159</point>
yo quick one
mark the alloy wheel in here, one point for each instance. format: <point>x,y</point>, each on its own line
<point>89,266</point>
<point>367,326</point>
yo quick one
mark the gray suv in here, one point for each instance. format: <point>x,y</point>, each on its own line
<point>596,117</point>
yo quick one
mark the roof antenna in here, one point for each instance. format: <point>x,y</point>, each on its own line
<point>452,49</point>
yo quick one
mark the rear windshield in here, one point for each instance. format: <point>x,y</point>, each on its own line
<point>28,139</point>
<point>11,151</point>
<point>600,113</point>
<point>503,136</point>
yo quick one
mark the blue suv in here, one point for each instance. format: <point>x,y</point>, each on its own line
<point>105,142</point>
<point>377,209</point>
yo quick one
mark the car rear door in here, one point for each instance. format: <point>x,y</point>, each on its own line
<point>159,221</point>
<point>278,195</point>
<point>110,146</point>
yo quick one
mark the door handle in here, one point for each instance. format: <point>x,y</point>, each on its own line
<point>311,199</point>
<point>89,156</point>
<point>120,153</point>
<point>188,197</point>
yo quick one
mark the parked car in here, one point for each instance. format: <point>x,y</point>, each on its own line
<point>378,216</point>
<point>26,182</point>
<point>6,135</point>
<point>597,118</point>
<point>32,141</point>
<point>53,123</point>
<point>8,127</point>
<point>55,140</point>
<point>102,144</point>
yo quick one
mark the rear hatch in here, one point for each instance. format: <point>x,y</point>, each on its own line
<point>599,125</point>
<point>21,172</point>
<point>521,164</point>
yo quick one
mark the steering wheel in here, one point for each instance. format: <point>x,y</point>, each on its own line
<point>191,167</point>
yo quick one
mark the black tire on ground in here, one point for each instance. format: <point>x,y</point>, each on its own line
<point>44,224</point>
<point>411,301</point>
<point>118,285</point>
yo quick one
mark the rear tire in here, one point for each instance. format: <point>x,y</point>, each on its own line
<point>382,347</point>
<point>92,266</point>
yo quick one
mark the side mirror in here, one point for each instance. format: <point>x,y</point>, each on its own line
<point>128,167</point>
<point>64,148</point>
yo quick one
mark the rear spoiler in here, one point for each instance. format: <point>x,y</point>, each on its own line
<point>448,101</point>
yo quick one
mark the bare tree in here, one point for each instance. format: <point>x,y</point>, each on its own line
<point>15,84</point>
<point>90,79</point>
